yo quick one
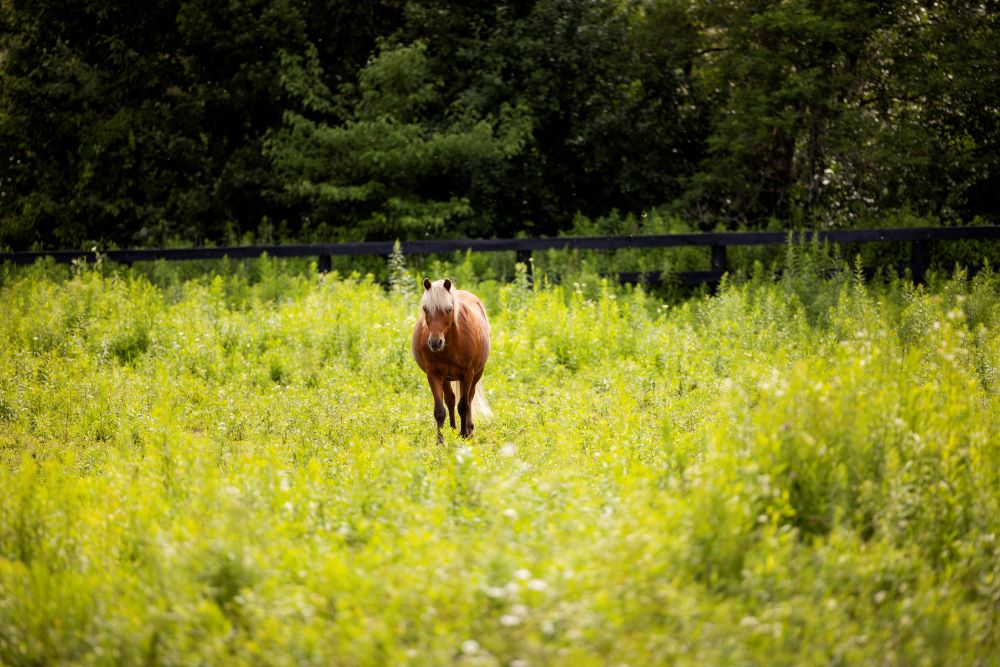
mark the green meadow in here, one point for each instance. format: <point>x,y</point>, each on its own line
<point>239,467</point>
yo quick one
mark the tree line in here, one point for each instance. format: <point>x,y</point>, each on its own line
<point>174,121</point>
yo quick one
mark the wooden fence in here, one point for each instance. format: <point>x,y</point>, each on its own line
<point>717,243</point>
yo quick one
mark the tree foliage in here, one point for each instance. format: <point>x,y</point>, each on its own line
<point>185,120</point>
<point>389,166</point>
<point>143,123</point>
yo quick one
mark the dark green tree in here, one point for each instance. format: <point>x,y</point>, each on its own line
<point>936,99</point>
<point>192,121</point>
<point>404,161</point>
<point>603,87</point>
<point>615,124</point>
<point>784,79</point>
<point>75,153</point>
<point>835,113</point>
<point>129,123</point>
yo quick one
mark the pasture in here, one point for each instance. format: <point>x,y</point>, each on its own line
<point>243,470</point>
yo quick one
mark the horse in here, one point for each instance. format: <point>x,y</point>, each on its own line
<point>451,343</point>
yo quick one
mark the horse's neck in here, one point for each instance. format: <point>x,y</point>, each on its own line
<point>458,305</point>
<point>472,314</point>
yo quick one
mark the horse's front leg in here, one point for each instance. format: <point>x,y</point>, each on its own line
<point>437,389</point>
<point>449,400</point>
<point>465,405</point>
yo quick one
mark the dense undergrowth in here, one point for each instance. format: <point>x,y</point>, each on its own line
<point>237,470</point>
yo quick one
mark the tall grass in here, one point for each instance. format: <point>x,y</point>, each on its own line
<point>242,469</point>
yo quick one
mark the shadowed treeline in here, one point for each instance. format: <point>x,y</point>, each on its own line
<point>187,121</point>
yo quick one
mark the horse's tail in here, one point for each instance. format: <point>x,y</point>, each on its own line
<point>480,406</point>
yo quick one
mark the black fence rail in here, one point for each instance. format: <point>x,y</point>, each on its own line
<point>717,242</point>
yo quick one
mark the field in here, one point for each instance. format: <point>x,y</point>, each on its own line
<point>241,469</point>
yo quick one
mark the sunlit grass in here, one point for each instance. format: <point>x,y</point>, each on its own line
<point>244,471</point>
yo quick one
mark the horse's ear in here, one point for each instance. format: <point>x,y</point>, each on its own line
<point>447,284</point>
<point>427,284</point>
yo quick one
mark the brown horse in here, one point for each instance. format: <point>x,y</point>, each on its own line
<point>451,343</point>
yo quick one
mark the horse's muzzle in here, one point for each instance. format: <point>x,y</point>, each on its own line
<point>436,345</point>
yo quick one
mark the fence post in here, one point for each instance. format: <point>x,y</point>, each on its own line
<point>524,257</point>
<point>719,258</point>
<point>323,264</point>
<point>920,254</point>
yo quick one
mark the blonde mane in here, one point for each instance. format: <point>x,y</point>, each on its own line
<point>438,299</point>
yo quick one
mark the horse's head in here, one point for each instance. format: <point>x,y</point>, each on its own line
<point>438,306</point>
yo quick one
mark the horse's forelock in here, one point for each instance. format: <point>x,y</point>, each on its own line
<point>437,298</point>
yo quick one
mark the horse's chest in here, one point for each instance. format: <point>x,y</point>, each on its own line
<point>449,370</point>
<point>453,366</point>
